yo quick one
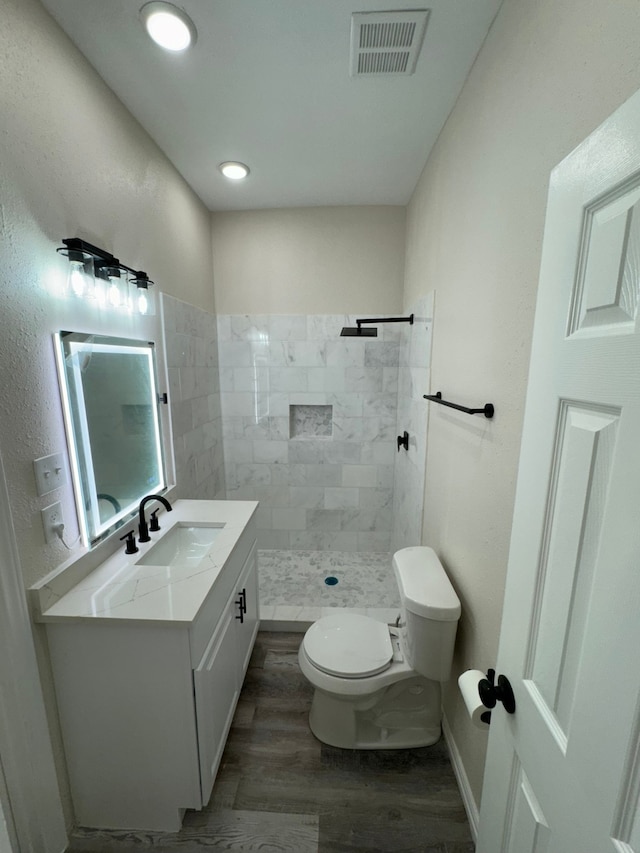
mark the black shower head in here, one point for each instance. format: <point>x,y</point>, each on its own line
<point>358,332</point>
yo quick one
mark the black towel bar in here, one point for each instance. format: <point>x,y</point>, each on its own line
<point>487,410</point>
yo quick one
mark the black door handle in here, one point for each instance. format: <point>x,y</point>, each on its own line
<point>490,692</point>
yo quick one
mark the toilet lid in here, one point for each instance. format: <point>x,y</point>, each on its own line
<point>349,645</point>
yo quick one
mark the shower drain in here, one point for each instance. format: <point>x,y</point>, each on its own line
<point>331,581</point>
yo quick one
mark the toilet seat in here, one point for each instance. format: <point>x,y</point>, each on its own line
<point>348,645</point>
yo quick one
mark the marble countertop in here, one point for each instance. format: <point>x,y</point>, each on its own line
<point>120,590</point>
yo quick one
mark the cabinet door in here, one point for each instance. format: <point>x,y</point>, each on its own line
<point>216,691</point>
<point>247,625</point>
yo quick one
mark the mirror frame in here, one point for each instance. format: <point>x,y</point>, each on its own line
<point>80,457</point>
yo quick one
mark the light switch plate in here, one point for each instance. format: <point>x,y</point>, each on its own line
<point>50,473</point>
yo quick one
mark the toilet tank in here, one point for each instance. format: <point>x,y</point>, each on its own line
<point>431,610</point>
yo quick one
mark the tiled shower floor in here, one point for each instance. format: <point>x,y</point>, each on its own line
<point>293,592</point>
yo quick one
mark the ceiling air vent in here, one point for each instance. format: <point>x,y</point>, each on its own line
<point>386,42</point>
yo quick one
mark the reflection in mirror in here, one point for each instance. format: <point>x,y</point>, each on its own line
<point>110,398</point>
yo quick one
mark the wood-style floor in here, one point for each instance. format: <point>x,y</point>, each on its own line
<point>279,790</point>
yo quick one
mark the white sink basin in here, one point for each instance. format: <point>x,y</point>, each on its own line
<point>183,545</point>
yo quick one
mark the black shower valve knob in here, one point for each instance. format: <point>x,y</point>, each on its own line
<point>403,441</point>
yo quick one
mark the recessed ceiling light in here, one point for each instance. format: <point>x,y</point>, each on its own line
<point>168,26</point>
<point>234,170</point>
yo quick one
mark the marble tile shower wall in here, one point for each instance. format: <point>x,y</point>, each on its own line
<point>194,396</point>
<point>324,477</point>
<point>413,411</point>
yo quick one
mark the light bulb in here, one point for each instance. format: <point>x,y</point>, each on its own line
<point>77,278</point>
<point>114,294</point>
<point>234,170</point>
<point>143,298</point>
<point>80,272</point>
<point>146,302</point>
<point>168,31</point>
<point>168,26</point>
<point>143,302</point>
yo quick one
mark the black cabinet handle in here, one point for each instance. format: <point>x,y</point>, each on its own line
<point>242,605</point>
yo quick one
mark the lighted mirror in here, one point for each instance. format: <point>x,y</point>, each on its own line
<point>111,402</point>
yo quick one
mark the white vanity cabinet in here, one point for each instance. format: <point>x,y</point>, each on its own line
<point>145,705</point>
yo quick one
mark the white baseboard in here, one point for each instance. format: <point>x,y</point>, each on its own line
<point>470,805</point>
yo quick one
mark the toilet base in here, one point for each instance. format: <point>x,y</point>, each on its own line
<point>404,715</point>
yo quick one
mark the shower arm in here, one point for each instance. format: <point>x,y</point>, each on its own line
<point>408,319</point>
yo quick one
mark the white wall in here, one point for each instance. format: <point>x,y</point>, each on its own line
<point>316,260</point>
<point>549,72</point>
<point>72,163</point>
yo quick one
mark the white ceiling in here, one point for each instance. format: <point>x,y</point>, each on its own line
<point>268,83</point>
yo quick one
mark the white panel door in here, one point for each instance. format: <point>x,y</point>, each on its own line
<point>563,772</point>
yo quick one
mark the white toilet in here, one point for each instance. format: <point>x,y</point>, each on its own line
<point>377,686</point>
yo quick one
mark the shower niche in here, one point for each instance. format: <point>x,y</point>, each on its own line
<point>307,421</point>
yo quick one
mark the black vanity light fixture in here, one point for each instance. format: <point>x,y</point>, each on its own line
<point>96,275</point>
<point>358,332</point>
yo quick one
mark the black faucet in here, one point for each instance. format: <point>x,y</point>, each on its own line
<point>143,530</point>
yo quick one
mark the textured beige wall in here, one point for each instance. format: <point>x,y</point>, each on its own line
<point>315,260</point>
<point>550,71</point>
<point>73,162</point>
